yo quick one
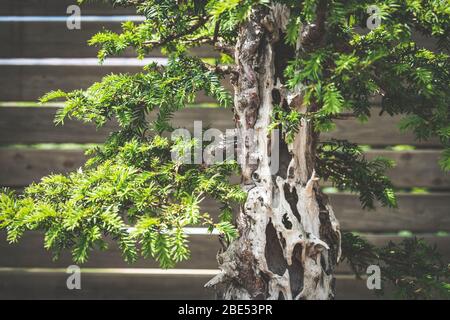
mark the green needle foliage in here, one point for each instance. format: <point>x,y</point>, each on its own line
<point>132,191</point>
<point>344,165</point>
<point>415,269</point>
<point>137,195</point>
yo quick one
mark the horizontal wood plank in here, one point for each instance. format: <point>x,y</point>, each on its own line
<point>416,213</point>
<point>126,284</point>
<point>415,168</point>
<point>30,253</point>
<point>35,125</point>
<point>54,39</point>
<point>52,285</point>
<point>19,167</point>
<point>378,131</point>
<point>58,8</point>
<point>50,39</point>
<point>29,83</point>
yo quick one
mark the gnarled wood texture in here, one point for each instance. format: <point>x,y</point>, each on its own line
<point>289,239</point>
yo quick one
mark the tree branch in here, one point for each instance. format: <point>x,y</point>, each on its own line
<point>222,69</point>
<point>201,22</point>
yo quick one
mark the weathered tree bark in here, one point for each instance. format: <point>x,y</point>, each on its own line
<point>289,239</point>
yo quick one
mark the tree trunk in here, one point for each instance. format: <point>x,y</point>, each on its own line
<point>289,238</point>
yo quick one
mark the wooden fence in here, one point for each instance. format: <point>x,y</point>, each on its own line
<point>31,147</point>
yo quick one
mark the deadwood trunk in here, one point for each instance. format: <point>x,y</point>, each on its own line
<point>289,239</point>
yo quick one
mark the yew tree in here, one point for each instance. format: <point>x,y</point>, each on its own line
<point>294,67</point>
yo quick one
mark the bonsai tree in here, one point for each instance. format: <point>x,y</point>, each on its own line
<point>295,67</point>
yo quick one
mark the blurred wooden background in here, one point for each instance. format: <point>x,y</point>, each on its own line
<point>39,53</point>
